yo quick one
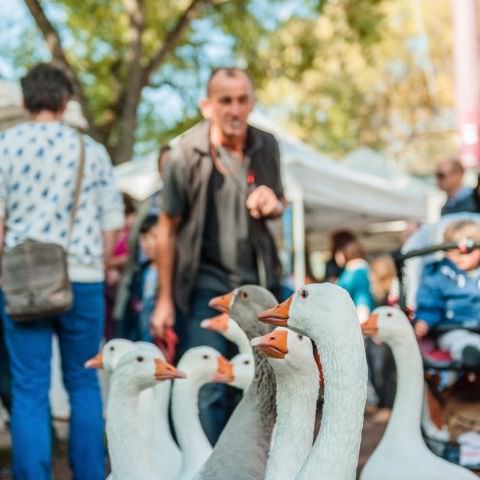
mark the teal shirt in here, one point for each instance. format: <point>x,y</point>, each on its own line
<point>356,280</point>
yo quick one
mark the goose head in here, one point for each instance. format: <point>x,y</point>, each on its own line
<point>387,324</point>
<point>243,370</point>
<point>287,351</point>
<point>318,310</point>
<point>205,364</point>
<point>111,354</point>
<point>243,305</point>
<point>143,370</point>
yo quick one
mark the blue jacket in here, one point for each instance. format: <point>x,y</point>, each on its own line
<point>449,295</point>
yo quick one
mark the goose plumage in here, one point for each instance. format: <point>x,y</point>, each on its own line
<point>202,365</point>
<point>292,358</point>
<point>326,313</point>
<point>402,453</point>
<point>243,363</point>
<point>242,450</point>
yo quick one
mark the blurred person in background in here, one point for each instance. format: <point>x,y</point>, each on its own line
<point>144,284</point>
<point>449,175</point>
<point>337,240</point>
<point>124,317</point>
<point>355,276</point>
<point>117,264</point>
<point>384,287</point>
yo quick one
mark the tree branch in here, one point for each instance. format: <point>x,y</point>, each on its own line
<point>172,38</point>
<point>54,44</point>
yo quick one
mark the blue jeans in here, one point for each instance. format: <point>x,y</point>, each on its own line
<point>30,349</point>
<point>216,402</point>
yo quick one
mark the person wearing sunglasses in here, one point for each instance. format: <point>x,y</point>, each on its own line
<point>449,176</point>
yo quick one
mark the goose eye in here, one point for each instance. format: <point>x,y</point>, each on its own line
<point>304,293</point>
<point>112,348</point>
<point>206,357</point>
<point>139,359</point>
<point>389,314</point>
<point>300,337</point>
<point>246,362</point>
<point>243,295</point>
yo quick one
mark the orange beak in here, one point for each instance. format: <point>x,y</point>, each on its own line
<point>224,373</point>
<point>165,371</point>
<point>95,362</point>
<point>273,345</point>
<point>278,315</point>
<point>222,303</point>
<point>216,324</point>
<point>370,327</point>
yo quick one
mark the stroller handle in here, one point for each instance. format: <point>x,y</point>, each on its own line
<point>464,247</point>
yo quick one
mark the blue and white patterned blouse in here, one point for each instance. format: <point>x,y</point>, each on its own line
<point>38,168</point>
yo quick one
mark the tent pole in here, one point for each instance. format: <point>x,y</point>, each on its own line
<point>298,228</point>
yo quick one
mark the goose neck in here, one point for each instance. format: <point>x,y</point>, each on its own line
<point>237,336</point>
<point>292,439</point>
<point>335,452</point>
<point>128,457</point>
<point>190,435</point>
<point>407,408</point>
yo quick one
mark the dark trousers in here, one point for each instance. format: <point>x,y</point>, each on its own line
<point>381,369</point>
<point>216,402</point>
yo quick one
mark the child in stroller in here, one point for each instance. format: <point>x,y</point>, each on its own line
<point>449,295</point>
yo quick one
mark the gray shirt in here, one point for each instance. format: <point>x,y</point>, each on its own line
<point>227,257</point>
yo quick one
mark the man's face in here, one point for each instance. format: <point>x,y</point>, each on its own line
<point>229,103</point>
<point>448,178</point>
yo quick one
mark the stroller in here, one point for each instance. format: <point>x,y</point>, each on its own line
<point>451,413</point>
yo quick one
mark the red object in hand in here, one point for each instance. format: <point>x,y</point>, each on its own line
<point>168,344</point>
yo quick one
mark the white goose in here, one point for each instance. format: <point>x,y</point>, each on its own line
<point>326,313</point>
<point>153,407</point>
<point>402,453</point>
<point>243,363</point>
<point>297,375</point>
<point>201,365</point>
<point>136,371</point>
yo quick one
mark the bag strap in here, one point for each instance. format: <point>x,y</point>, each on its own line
<point>78,184</point>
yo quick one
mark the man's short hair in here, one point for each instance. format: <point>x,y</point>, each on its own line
<point>46,87</point>
<point>230,72</point>
<point>455,165</point>
<point>462,229</point>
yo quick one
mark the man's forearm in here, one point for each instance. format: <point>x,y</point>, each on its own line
<point>166,256</point>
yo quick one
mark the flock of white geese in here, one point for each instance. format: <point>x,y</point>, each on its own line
<point>316,348</point>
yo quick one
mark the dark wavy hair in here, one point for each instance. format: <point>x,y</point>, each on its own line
<point>46,87</point>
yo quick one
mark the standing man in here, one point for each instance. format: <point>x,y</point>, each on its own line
<point>38,170</point>
<point>449,175</point>
<point>222,183</point>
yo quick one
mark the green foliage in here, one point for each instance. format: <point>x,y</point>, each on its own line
<point>294,55</point>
